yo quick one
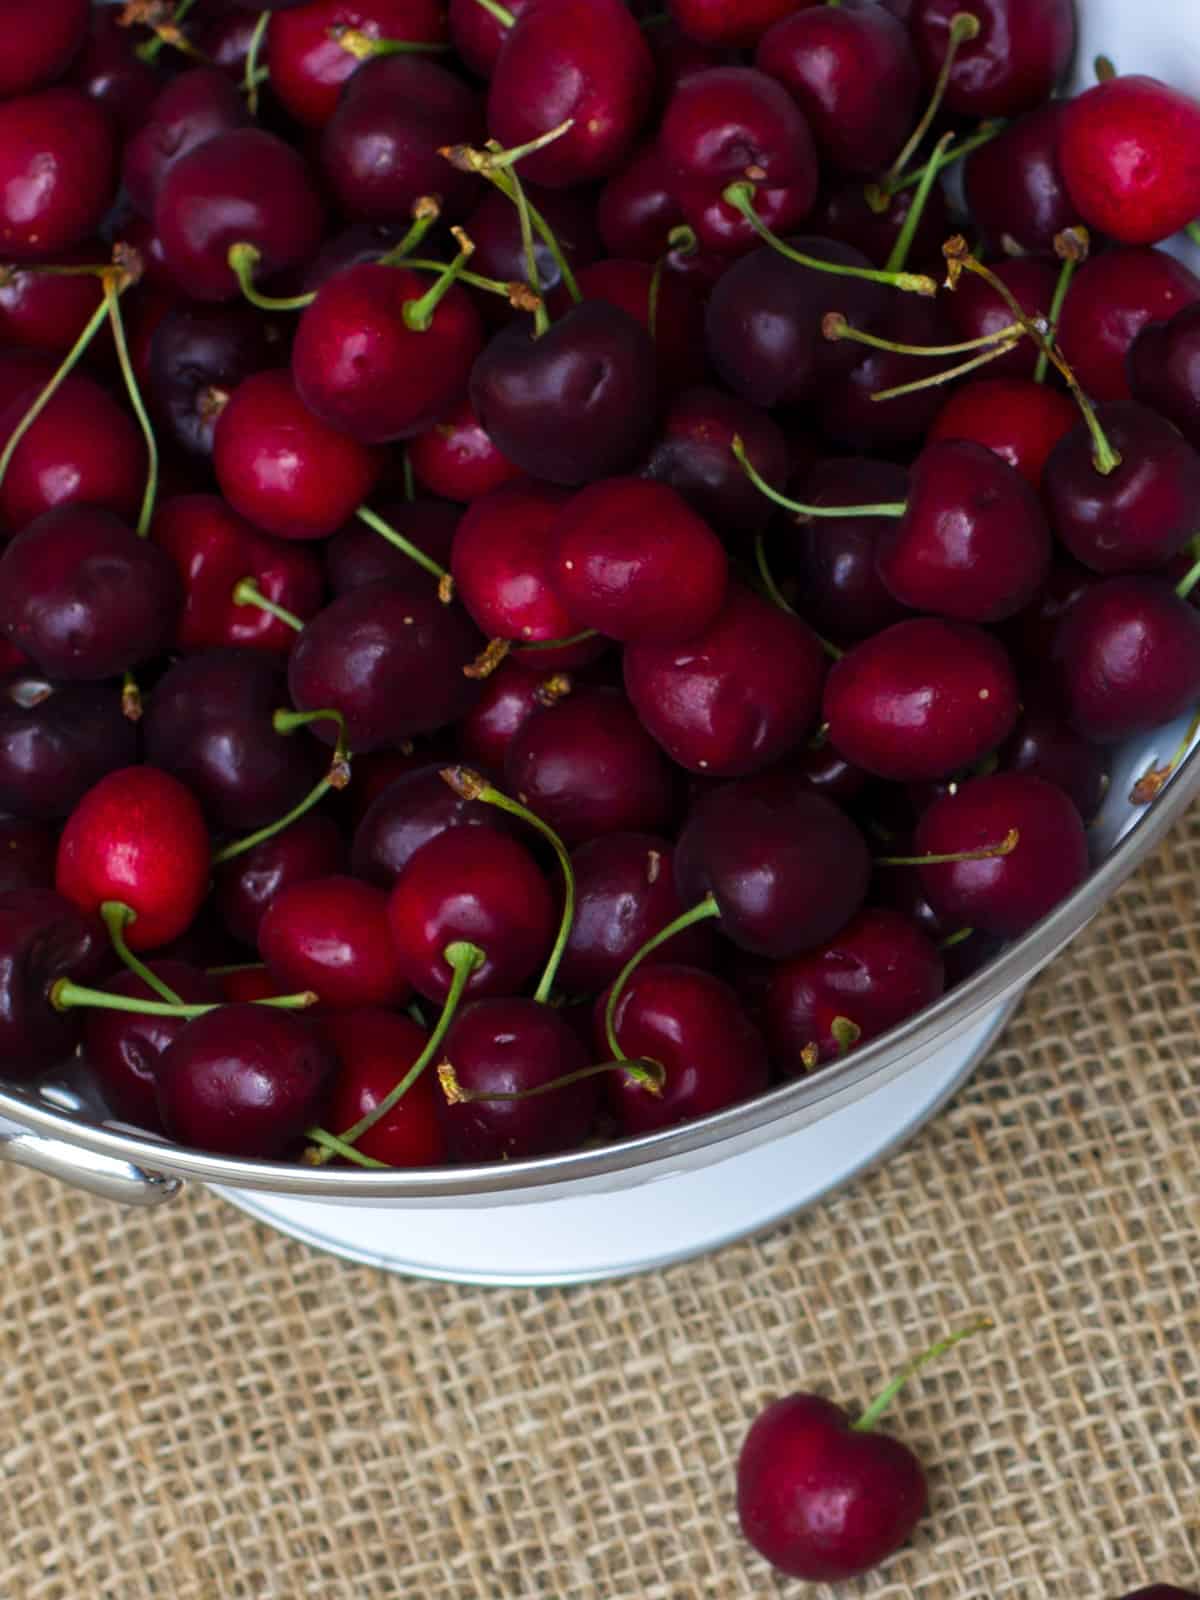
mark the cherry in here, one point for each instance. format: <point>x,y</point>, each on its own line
<point>479,33</point>
<point>731,124</point>
<point>880,969</point>
<point>49,311</point>
<point>27,851</point>
<point>198,357</point>
<point>240,187</point>
<point>1163,365</point>
<point>1021,421</point>
<point>843,213</point>
<point>587,766</point>
<point>477,884</point>
<point>692,455</point>
<point>504,1047</point>
<point>109,71</point>
<point>374,1048</point>
<point>389,657</point>
<point>820,768</point>
<point>225,38</point>
<point>379,150</point>
<point>977,311</point>
<point>1014,184</point>
<point>197,105</point>
<point>137,837</point>
<point>351,246</point>
<point>852,71</point>
<point>456,458</point>
<point>667,305</point>
<point>123,1048</point>
<point>310,847</point>
<point>494,227</point>
<point>850,412</point>
<point>1030,636</point>
<point>84,597</point>
<point>1127,657</point>
<point>1113,296</point>
<point>83,447</point>
<point>38,55</point>
<point>1021,51</point>
<point>284,469</point>
<point>677,55</point>
<point>730,22</point>
<point>580,60</point>
<point>23,373</point>
<point>56,740</point>
<point>501,563</point>
<point>414,808</point>
<point>637,210</point>
<point>1045,746</point>
<point>509,697</point>
<point>1002,894</point>
<point>42,938</point>
<point>738,695</point>
<point>331,935</point>
<point>574,405</point>
<point>244,1080</point>
<point>632,560</point>
<point>921,699</point>
<point>357,554</point>
<point>308,51</point>
<point>57,171</point>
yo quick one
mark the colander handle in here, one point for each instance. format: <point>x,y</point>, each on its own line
<point>105,1176</point>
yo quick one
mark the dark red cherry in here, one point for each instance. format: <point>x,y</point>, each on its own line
<point>977,311</point>
<point>478,35</point>
<point>582,60</point>
<point>379,150</point>
<point>921,699</point>
<point>244,1080</point>
<point>693,1025</point>
<point>310,847</point>
<point>38,50</point>
<point>456,457</point>
<point>509,1047</point>
<point>729,125</point>
<point>357,554</point>
<point>352,246</point>
<point>282,468</point>
<point>574,405</point>
<point>1030,636</point>
<point>1127,658</point>
<point>509,697</point>
<point>843,213</point>
<point>494,227</point>
<point>27,851</point>
<point>195,106</point>
<point>378,769</point>
<point>389,657</point>
<point>308,63</point>
<point>1046,746</point>
<point>693,455</point>
<point>501,564</point>
<point>1163,365</point>
<point>109,71</point>
<point>637,209</point>
<point>474,884</point>
<point>83,449</point>
<point>1113,296</point>
<point>737,23</point>
<point>1004,894</point>
<point>138,837</point>
<point>414,808</point>
<point>123,1048</point>
<point>198,356</point>
<point>225,37</point>
<point>84,597</point>
<point>1021,421</point>
<point>58,171</point>
<point>56,740</point>
<point>375,1049</point>
<point>878,971</point>
<point>1014,185</point>
<point>819,767</point>
<point>23,373</point>
<point>48,311</point>
<point>852,71</point>
<point>849,413</point>
<point>678,314</point>
<point>43,938</point>
<point>677,55</point>
<point>736,697</point>
<point>1021,51</point>
<point>331,935</point>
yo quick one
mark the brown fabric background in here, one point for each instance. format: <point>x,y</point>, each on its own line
<point>193,1407</point>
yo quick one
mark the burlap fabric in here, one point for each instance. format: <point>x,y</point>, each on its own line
<point>194,1408</point>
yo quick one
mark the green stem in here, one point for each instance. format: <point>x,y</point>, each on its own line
<point>386,531</point>
<point>963,26</point>
<point>986,131</point>
<point>72,357</point>
<point>333,1146</point>
<point>1192,229</point>
<point>652,298</point>
<point>337,777</point>
<point>651,1075</point>
<point>251,79</point>
<point>150,493</point>
<point>548,237</point>
<point>987,852</point>
<point>65,995</point>
<point>1074,251</point>
<point>243,258</point>
<point>555,644</point>
<point>1188,582</point>
<point>834,327</point>
<point>898,258</point>
<point>1104,69</point>
<point>541,317</point>
<point>949,374</point>
<point>425,213</point>
<point>774,593</point>
<point>423,264</point>
<point>700,912</point>
<point>880,1404</point>
<point>289,721</point>
<point>418,314</point>
<point>495,159</point>
<point>410,486</point>
<point>960,936</point>
<point>117,916</point>
<point>149,50</point>
<point>247,593</point>
<point>501,13</point>
<point>891,508</point>
<point>363,47</point>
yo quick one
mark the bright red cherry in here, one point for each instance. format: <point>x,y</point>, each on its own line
<point>1021,421</point>
<point>374,1050</point>
<point>82,449</point>
<point>501,561</point>
<point>48,311</point>
<point>1113,296</point>
<point>331,935</point>
<point>57,171</point>
<point>310,847</point>
<point>456,458</point>
<point>736,23</point>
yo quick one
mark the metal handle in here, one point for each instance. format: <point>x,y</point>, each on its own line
<point>105,1176</point>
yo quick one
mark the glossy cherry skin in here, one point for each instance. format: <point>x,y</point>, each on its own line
<point>406,814</point>
<point>225,39</point>
<point>834,560</point>
<point>509,697</point>
<point>56,740</point>
<point>331,935</point>
<point>634,561</point>
<point>678,329</point>
<point>308,65</point>
<point>852,71</point>
<point>457,458</point>
<point>479,885</point>
<point>197,105</point>
<point>587,766</point>
<point>821,1501</point>
<point>477,35</point>
<point>725,126</point>
<point>734,23</point>
<point>375,1049</point>
<point>137,836</point>
<point>44,311</point>
<point>973,544</point>
<point>637,208</point>
<point>1005,894</point>
<point>213,550</point>
<point>244,1080</point>
<point>27,851</point>
<point>83,448</point>
<point>43,937</point>
<point>390,657</point>
<point>1014,184</point>
<point>585,60</point>
<point>1127,658</point>
<point>879,970</point>
<point>37,53</point>
<point>736,697</point>
<point>575,405</point>
<point>84,597</point>
<point>506,1047</point>
<point>198,356</point>
<point>1046,746</point>
<point>57,172</point>
<point>282,468</point>
<point>123,1048</point>
<point>1113,296</point>
<point>693,1024</point>
<point>1021,421</point>
<point>500,561</point>
<point>242,186</point>
<point>1163,365</point>
<point>1021,51</point>
<point>848,412</point>
<point>693,455</point>
<point>107,69</point>
<point>921,699</point>
<point>379,150</point>
<point>310,847</point>
<point>976,311</point>
<point>842,213</point>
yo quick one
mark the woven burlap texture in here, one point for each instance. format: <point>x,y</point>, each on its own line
<point>195,1408</point>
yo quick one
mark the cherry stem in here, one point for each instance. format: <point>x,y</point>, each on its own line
<point>555,644</point>
<point>541,317</point>
<point>362,46</point>
<point>878,195</point>
<point>489,285</point>
<point>1071,247</point>
<point>845,1034</point>
<point>337,777</point>
<point>150,493</point>
<point>472,786</point>
<point>1153,780</point>
<point>700,912</point>
<point>949,374</point>
<point>243,258</point>
<point>247,593</point>
<point>131,698</point>
<point>65,996</point>
<point>236,966</point>
<point>1188,582</point>
<point>386,531</point>
<point>117,916</point>
<point>149,49</point>
<point>418,314</point>
<point>493,157</point>
<point>775,595</point>
<point>463,959</point>
<point>1104,69</point>
<point>1192,229</point>
<point>251,78</point>
<point>407,479</point>
<point>891,508</point>
<point>652,297</point>
<point>963,26</point>
<point>651,1075</point>
<point>425,213</point>
<point>880,1404</point>
<point>740,196</point>
<point>988,852</point>
<point>331,1145</point>
<point>898,258</point>
<point>834,326</point>
<point>501,13</point>
<point>959,937</point>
